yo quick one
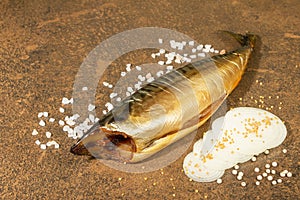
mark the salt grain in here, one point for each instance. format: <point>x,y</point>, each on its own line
<point>274,182</point>
<point>138,68</point>
<point>37,142</point>
<point>267,152</point>
<point>273,171</point>
<point>161,62</point>
<point>51,120</point>
<point>289,174</point>
<point>268,171</point>
<point>48,134</point>
<point>40,114</point>
<point>91,107</point>
<point>236,167</point>
<point>118,99</point>
<point>256,169</point>
<point>123,73</point>
<point>46,114</point>
<point>160,41</point>
<point>62,110</point>
<point>284,151</point>
<point>128,69</point>
<point>42,123</point>
<point>191,43</point>
<point>253,159</point>
<point>270,178</point>
<point>274,164</point>
<point>267,166</point>
<point>257,183</point>
<point>243,184</point>
<point>259,177</point>
<point>264,174</point>
<point>43,146</point>
<point>61,122</point>
<point>234,172</point>
<point>279,180</point>
<point>105,83</point>
<point>219,181</point>
<point>34,132</point>
<point>84,88</point>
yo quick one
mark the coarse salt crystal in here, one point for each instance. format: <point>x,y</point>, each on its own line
<point>201,55</point>
<point>159,73</point>
<point>46,114</point>
<point>129,89</point>
<point>259,177</point>
<point>118,99</point>
<point>84,88</point>
<point>160,41</point>
<point>253,159</point>
<point>40,114</point>
<point>284,151</point>
<point>219,181</point>
<point>128,69</point>
<point>257,183</point>
<point>37,142</point>
<point>191,43</point>
<point>127,94</point>
<point>234,172</point>
<point>42,123</point>
<point>48,134</point>
<point>62,110</point>
<point>65,100</point>
<point>194,50</point>
<point>207,46</point>
<point>256,169</point>
<point>270,178</point>
<point>51,120</point>
<point>162,51</point>
<point>91,107</point>
<point>267,152</point>
<point>268,171</point>
<point>138,68</point>
<point>199,47</point>
<point>236,167</point>
<point>216,51</point>
<point>153,55</point>
<point>279,180</point>
<point>150,79</point>
<point>289,174</point>
<point>239,178</point>
<point>66,128</point>
<point>109,106</point>
<point>274,164</point>
<point>161,62</point>
<point>267,166</point>
<point>61,122</point>
<point>105,83</point>
<point>123,73</point>
<point>34,132</point>
<point>43,146</point>
<point>193,56</point>
<point>110,86</point>
<point>104,112</point>
<point>264,174</point>
<point>243,184</point>
<point>113,95</point>
<point>273,171</point>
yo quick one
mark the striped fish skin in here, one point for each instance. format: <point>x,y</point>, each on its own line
<point>168,108</point>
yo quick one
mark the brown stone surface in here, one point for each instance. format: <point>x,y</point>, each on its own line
<point>42,46</point>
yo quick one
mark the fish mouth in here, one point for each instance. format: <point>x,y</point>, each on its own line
<point>101,143</point>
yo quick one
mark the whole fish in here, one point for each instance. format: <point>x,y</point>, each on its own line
<point>168,108</point>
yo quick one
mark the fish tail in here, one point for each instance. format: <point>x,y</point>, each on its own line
<point>245,40</point>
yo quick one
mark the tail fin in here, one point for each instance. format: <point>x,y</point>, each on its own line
<point>244,40</point>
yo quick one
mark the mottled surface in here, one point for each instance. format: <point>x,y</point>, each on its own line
<point>42,46</point>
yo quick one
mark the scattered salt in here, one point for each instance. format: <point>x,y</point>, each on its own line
<point>160,41</point>
<point>138,68</point>
<point>43,146</point>
<point>46,114</point>
<point>61,122</point>
<point>161,62</point>
<point>219,181</point>
<point>51,120</point>
<point>123,73</point>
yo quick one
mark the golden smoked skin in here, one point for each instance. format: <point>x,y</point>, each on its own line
<point>168,108</point>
